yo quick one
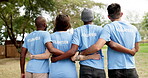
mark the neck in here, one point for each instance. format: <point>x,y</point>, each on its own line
<point>40,29</point>
<point>61,31</point>
<point>115,20</point>
<point>85,23</point>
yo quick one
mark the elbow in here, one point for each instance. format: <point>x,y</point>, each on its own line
<point>113,46</point>
<point>96,48</point>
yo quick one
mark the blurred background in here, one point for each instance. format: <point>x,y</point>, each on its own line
<point>17,20</point>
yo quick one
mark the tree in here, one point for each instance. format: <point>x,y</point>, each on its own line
<point>144,24</point>
<point>16,24</point>
<point>100,20</point>
<point>73,8</point>
<point>145,21</point>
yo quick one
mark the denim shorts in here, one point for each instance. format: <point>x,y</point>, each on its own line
<point>123,73</point>
<point>90,72</point>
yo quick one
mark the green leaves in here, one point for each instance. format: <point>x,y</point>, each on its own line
<point>74,9</point>
<point>145,21</point>
<point>15,23</point>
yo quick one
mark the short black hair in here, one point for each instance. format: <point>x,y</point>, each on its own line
<point>114,10</point>
<point>40,21</point>
<point>62,23</point>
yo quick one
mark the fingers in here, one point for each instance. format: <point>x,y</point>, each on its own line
<point>96,56</point>
<point>22,75</point>
<point>73,58</point>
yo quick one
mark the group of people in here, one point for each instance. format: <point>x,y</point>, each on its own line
<point>83,45</point>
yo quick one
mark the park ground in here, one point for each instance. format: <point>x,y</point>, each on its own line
<point>10,68</point>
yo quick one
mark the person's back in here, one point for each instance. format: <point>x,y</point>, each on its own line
<point>120,65</point>
<point>61,40</point>
<point>84,37</point>
<point>124,34</point>
<point>87,36</point>
<point>35,44</point>
<point>62,68</point>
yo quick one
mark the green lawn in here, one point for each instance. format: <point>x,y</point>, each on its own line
<point>143,47</point>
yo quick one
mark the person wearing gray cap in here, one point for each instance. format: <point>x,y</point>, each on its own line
<point>84,37</point>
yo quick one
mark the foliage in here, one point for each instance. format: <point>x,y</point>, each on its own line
<point>16,24</point>
<point>144,25</point>
<point>73,8</point>
<point>100,20</point>
<point>145,21</point>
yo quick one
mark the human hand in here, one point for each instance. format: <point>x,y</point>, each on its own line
<point>133,51</point>
<point>53,59</point>
<point>74,58</point>
<point>31,56</point>
<point>95,56</point>
<point>22,75</point>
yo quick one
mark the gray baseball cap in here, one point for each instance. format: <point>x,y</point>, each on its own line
<point>87,15</point>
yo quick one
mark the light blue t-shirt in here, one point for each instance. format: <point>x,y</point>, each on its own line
<point>63,68</point>
<point>126,35</point>
<point>35,43</point>
<point>84,37</point>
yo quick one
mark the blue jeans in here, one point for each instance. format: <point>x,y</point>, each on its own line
<point>123,73</point>
<point>90,72</point>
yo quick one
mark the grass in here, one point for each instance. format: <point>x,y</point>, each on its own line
<point>9,67</point>
<point>143,47</point>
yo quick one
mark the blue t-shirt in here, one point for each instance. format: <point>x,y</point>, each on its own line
<point>62,68</point>
<point>84,37</point>
<point>126,35</point>
<point>35,43</point>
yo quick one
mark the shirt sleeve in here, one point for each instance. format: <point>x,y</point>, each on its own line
<point>106,33</point>
<point>100,29</point>
<point>76,37</point>
<point>47,38</point>
<point>138,37</point>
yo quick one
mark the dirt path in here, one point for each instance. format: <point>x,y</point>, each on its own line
<point>9,68</point>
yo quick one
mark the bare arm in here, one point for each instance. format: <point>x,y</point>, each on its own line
<point>94,48</point>
<point>137,46</point>
<point>53,50</point>
<point>117,47</point>
<point>22,61</point>
<point>78,57</point>
<point>45,55</point>
<point>68,54</point>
